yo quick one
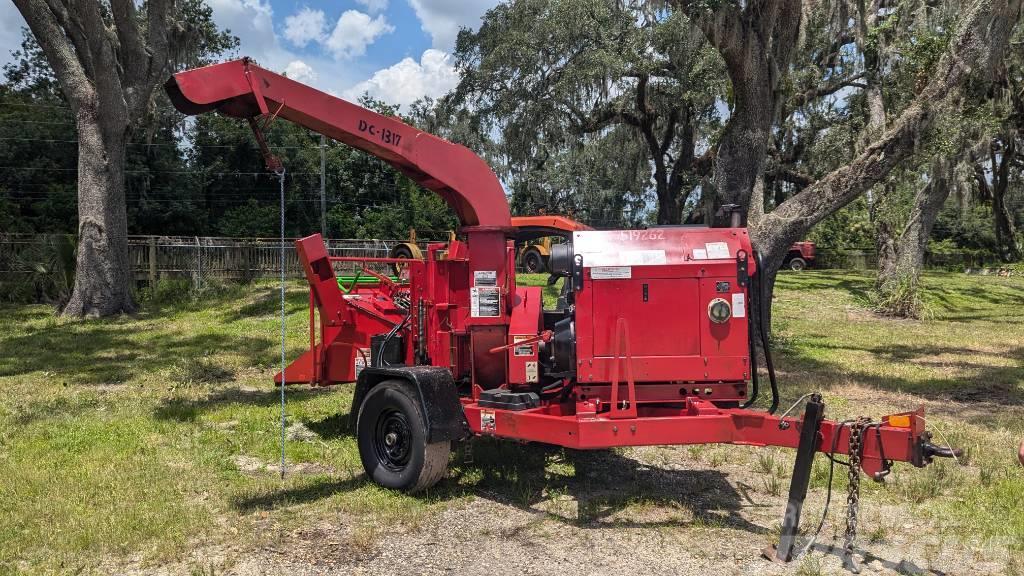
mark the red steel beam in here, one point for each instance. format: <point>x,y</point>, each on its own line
<point>242,89</point>
<point>699,422</point>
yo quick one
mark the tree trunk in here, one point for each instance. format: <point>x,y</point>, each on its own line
<point>756,39</point>
<point>1006,233</point>
<point>740,159</point>
<point>103,278</point>
<point>108,72</point>
<point>907,260</point>
<point>885,247</point>
<point>669,211</point>
<point>866,22</point>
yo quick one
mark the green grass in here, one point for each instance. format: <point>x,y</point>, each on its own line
<point>118,438</point>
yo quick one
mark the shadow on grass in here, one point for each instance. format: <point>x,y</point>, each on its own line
<point>108,353</point>
<point>268,303</point>
<point>332,427</point>
<point>189,410</point>
<point>316,489</point>
<point>609,490</point>
<point>1000,384</point>
<point>114,350</point>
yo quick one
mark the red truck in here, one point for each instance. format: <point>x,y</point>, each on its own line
<point>800,256</point>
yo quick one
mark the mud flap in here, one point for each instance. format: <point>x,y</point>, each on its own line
<point>438,396</point>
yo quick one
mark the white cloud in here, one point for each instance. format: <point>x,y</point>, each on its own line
<point>254,24</point>
<point>409,80</point>
<point>374,6</point>
<point>304,27</point>
<point>354,32</point>
<point>443,18</point>
<point>300,71</point>
<point>10,30</point>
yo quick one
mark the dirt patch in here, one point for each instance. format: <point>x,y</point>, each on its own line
<point>254,466</point>
<point>692,519</point>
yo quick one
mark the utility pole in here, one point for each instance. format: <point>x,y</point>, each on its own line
<point>323,186</point>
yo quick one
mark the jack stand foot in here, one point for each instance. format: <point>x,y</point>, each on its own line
<point>770,553</point>
<point>851,564</point>
<point>814,413</point>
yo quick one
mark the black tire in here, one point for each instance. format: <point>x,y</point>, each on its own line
<point>533,262</point>
<point>797,264</point>
<point>392,437</point>
<point>400,251</point>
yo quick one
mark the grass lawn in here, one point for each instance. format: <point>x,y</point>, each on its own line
<point>137,439</point>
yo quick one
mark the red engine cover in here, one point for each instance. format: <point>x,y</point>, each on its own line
<point>661,282</point>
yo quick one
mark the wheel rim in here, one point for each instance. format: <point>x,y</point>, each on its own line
<point>392,440</point>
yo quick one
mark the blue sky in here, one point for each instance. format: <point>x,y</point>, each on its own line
<point>397,50</point>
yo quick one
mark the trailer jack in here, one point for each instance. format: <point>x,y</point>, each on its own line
<point>810,443</point>
<point>814,413</point>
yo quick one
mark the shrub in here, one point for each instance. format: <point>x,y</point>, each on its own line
<point>899,298</point>
<point>41,270</point>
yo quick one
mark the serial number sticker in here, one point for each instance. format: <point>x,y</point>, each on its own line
<point>739,305</point>
<point>717,250</point>
<point>385,135</point>
<point>487,421</point>
<point>362,357</point>
<point>700,254</point>
<point>522,349</point>
<point>485,278</point>
<point>611,272</point>
<point>485,302</point>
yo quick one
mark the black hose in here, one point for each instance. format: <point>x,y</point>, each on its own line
<point>752,343</point>
<point>762,312</point>
<point>388,337</point>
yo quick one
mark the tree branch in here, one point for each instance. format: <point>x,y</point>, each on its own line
<point>827,90</point>
<point>133,52</point>
<point>979,43</point>
<point>58,50</point>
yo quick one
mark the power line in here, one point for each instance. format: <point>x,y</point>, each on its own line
<point>198,173</point>
<point>171,144</point>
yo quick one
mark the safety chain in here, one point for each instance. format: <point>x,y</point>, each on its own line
<point>853,495</point>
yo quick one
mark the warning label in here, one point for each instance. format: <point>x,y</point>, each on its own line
<point>487,421</point>
<point>485,302</point>
<point>531,371</point>
<point>611,272</point>
<point>739,305</point>
<point>717,250</point>
<point>485,278</point>
<point>522,349</point>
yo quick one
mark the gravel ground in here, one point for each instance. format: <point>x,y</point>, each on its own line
<point>701,521</point>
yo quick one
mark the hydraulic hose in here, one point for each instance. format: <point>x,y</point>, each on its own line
<point>752,344</point>
<point>763,320</point>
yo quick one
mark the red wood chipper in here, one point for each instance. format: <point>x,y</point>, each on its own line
<point>651,341</point>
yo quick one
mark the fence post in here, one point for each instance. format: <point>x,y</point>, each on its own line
<point>152,261</point>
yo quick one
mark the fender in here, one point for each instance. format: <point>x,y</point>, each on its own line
<point>438,396</point>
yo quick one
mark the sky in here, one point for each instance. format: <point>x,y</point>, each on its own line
<point>396,50</point>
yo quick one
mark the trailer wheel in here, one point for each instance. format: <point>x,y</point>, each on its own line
<point>392,438</point>
<point>533,262</point>
<point>797,264</point>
